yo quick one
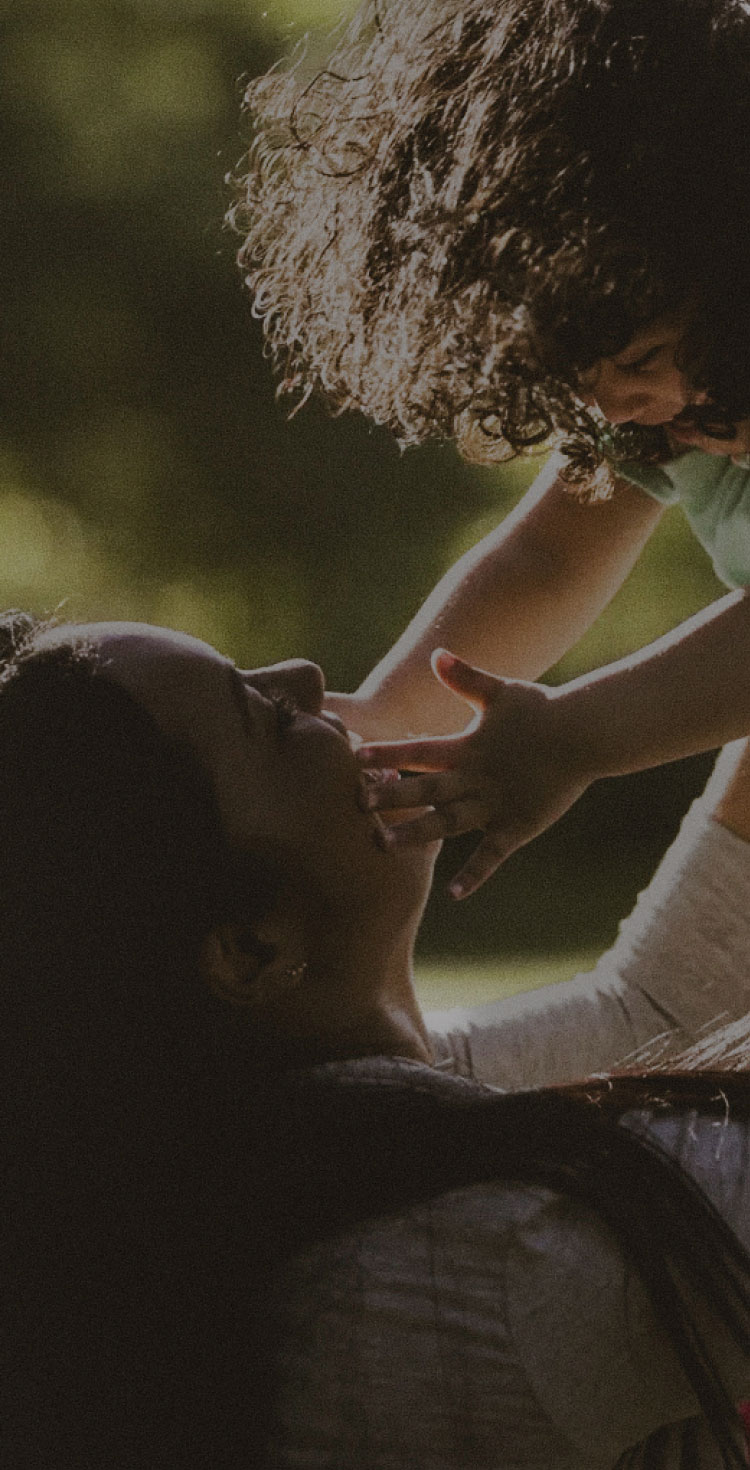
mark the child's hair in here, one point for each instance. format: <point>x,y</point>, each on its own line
<point>471,203</point>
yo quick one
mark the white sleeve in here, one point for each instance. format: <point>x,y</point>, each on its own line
<point>678,968</point>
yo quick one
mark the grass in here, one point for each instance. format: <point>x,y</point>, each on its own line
<point>451,982</point>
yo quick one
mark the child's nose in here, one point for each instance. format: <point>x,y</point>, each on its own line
<point>619,407</point>
<point>616,413</point>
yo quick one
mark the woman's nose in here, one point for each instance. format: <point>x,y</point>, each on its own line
<point>301,680</point>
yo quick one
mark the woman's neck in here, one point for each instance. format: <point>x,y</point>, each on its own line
<point>361,982</point>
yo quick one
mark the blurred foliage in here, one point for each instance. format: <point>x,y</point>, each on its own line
<point>146,470</point>
<point>478,982</point>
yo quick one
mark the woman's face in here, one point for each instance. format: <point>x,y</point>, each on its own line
<point>642,384</point>
<point>284,772</point>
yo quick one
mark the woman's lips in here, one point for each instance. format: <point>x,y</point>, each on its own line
<point>337,725</point>
<point>385,816</point>
<point>382,779</point>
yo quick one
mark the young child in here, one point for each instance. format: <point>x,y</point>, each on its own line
<point>509,223</point>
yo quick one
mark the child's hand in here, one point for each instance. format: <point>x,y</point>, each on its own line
<point>352,710</point>
<point>687,436</point>
<point>510,772</point>
<point>368,717</point>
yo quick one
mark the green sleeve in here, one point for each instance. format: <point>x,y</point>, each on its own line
<point>714,494</point>
<point>655,479</point>
<point>693,477</point>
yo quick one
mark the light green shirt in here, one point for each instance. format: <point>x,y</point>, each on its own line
<point>715,496</point>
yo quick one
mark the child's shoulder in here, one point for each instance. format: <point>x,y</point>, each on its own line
<point>715,496</point>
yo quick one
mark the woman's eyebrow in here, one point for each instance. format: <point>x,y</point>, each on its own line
<point>239,695</point>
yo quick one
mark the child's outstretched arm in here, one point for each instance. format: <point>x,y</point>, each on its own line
<point>514,604</point>
<point>531,751</point>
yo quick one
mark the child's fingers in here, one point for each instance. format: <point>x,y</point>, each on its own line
<point>438,753</point>
<point>689,436</point>
<point>446,821</point>
<point>491,853</point>
<point>430,790</point>
<point>474,685</point>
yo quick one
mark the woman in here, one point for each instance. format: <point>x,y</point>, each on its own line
<point>196,907</point>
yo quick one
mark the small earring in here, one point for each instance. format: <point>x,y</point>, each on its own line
<point>293,976</point>
<point>278,984</point>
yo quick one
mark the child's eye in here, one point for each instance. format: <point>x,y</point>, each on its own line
<point>285,711</point>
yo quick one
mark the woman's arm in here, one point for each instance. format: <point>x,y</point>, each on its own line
<point>679,967</point>
<point>728,791</point>
<point>514,604</point>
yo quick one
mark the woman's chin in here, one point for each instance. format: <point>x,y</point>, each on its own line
<point>416,857</point>
<point>415,866</point>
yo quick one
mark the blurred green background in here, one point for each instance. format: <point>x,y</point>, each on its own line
<point>146,470</point>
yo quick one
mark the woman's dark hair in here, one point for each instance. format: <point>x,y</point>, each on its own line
<point>113,860</point>
<point>124,1316</point>
<point>471,203</point>
<point>402,1136</point>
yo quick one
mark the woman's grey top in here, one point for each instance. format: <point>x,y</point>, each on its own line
<point>498,1327</point>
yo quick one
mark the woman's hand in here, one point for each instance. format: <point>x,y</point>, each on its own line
<point>510,772</point>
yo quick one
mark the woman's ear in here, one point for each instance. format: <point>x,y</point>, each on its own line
<point>252,965</point>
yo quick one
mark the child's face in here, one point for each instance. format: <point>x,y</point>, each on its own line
<point>642,384</point>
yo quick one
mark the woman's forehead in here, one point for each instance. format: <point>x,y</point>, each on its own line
<point>178,678</point>
<point>128,640</point>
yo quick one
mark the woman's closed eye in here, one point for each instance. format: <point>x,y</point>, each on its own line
<point>285,710</point>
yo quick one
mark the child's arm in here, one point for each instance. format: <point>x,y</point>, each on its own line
<point>531,750</point>
<point>514,604</point>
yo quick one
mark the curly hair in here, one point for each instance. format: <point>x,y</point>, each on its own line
<point>471,204</point>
